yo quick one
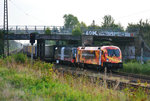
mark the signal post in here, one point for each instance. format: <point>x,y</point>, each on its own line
<point>32,41</point>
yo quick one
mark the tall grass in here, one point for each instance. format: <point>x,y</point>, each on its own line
<point>20,58</point>
<point>39,82</point>
<point>137,68</point>
<point>17,58</point>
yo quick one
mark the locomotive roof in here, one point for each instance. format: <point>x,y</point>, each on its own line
<point>105,47</point>
<point>96,48</point>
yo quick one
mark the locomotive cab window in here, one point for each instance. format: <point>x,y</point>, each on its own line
<point>113,52</point>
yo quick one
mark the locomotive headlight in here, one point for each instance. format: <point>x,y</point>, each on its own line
<point>107,60</point>
<point>57,61</point>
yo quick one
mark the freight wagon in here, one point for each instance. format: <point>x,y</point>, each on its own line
<point>49,52</point>
<point>28,50</point>
<point>65,54</point>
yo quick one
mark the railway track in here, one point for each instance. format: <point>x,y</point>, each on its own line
<point>137,77</point>
<point>115,81</point>
<point>14,51</point>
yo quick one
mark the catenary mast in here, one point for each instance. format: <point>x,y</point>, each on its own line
<point>5,27</point>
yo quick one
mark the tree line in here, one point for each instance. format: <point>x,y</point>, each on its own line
<point>141,28</point>
<point>71,21</point>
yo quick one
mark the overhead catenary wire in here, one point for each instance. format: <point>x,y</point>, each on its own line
<point>25,13</point>
<point>133,14</point>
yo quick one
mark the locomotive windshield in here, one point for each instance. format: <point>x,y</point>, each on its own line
<point>113,52</point>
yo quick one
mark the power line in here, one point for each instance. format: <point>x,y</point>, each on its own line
<point>24,12</point>
<point>133,14</point>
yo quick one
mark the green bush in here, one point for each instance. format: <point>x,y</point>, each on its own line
<point>136,67</point>
<point>48,31</point>
<point>76,32</point>
<point>8,59</point>
<point>1,56</point>
<point>148,62</point>
<point>39,65</point>
<point>20,58</point>
<point>47,65</point>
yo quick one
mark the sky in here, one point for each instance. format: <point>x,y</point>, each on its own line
<point>51,12</point>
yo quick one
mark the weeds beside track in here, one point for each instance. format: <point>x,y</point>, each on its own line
<point>111,80</point>
<point>40,82</point>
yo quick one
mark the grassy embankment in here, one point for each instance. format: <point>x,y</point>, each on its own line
<point>136,68</point>
<point>19,81</point>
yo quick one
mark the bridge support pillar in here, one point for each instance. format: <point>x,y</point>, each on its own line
<point>87,40</point>
<point>2,44</point>
<point>41,48</point>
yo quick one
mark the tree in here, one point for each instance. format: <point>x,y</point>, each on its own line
<point>83,25</point>
<point>142,29</point>
<point>108,21</point>
<point>132,27</point>
<point>48,31</point>
<point>93,26</point>
<point>71,21</point>
<point>108,24</point>
<point>76,31</point>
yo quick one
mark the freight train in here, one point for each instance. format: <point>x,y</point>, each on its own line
<point>82,56</point>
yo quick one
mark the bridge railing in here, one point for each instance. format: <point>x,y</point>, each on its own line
<point>39,29</point>
<point>20,29</point>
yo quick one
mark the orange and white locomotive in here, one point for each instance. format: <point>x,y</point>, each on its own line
<point>104,56</point>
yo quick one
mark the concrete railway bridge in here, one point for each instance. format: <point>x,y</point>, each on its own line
<point>126,41</point>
